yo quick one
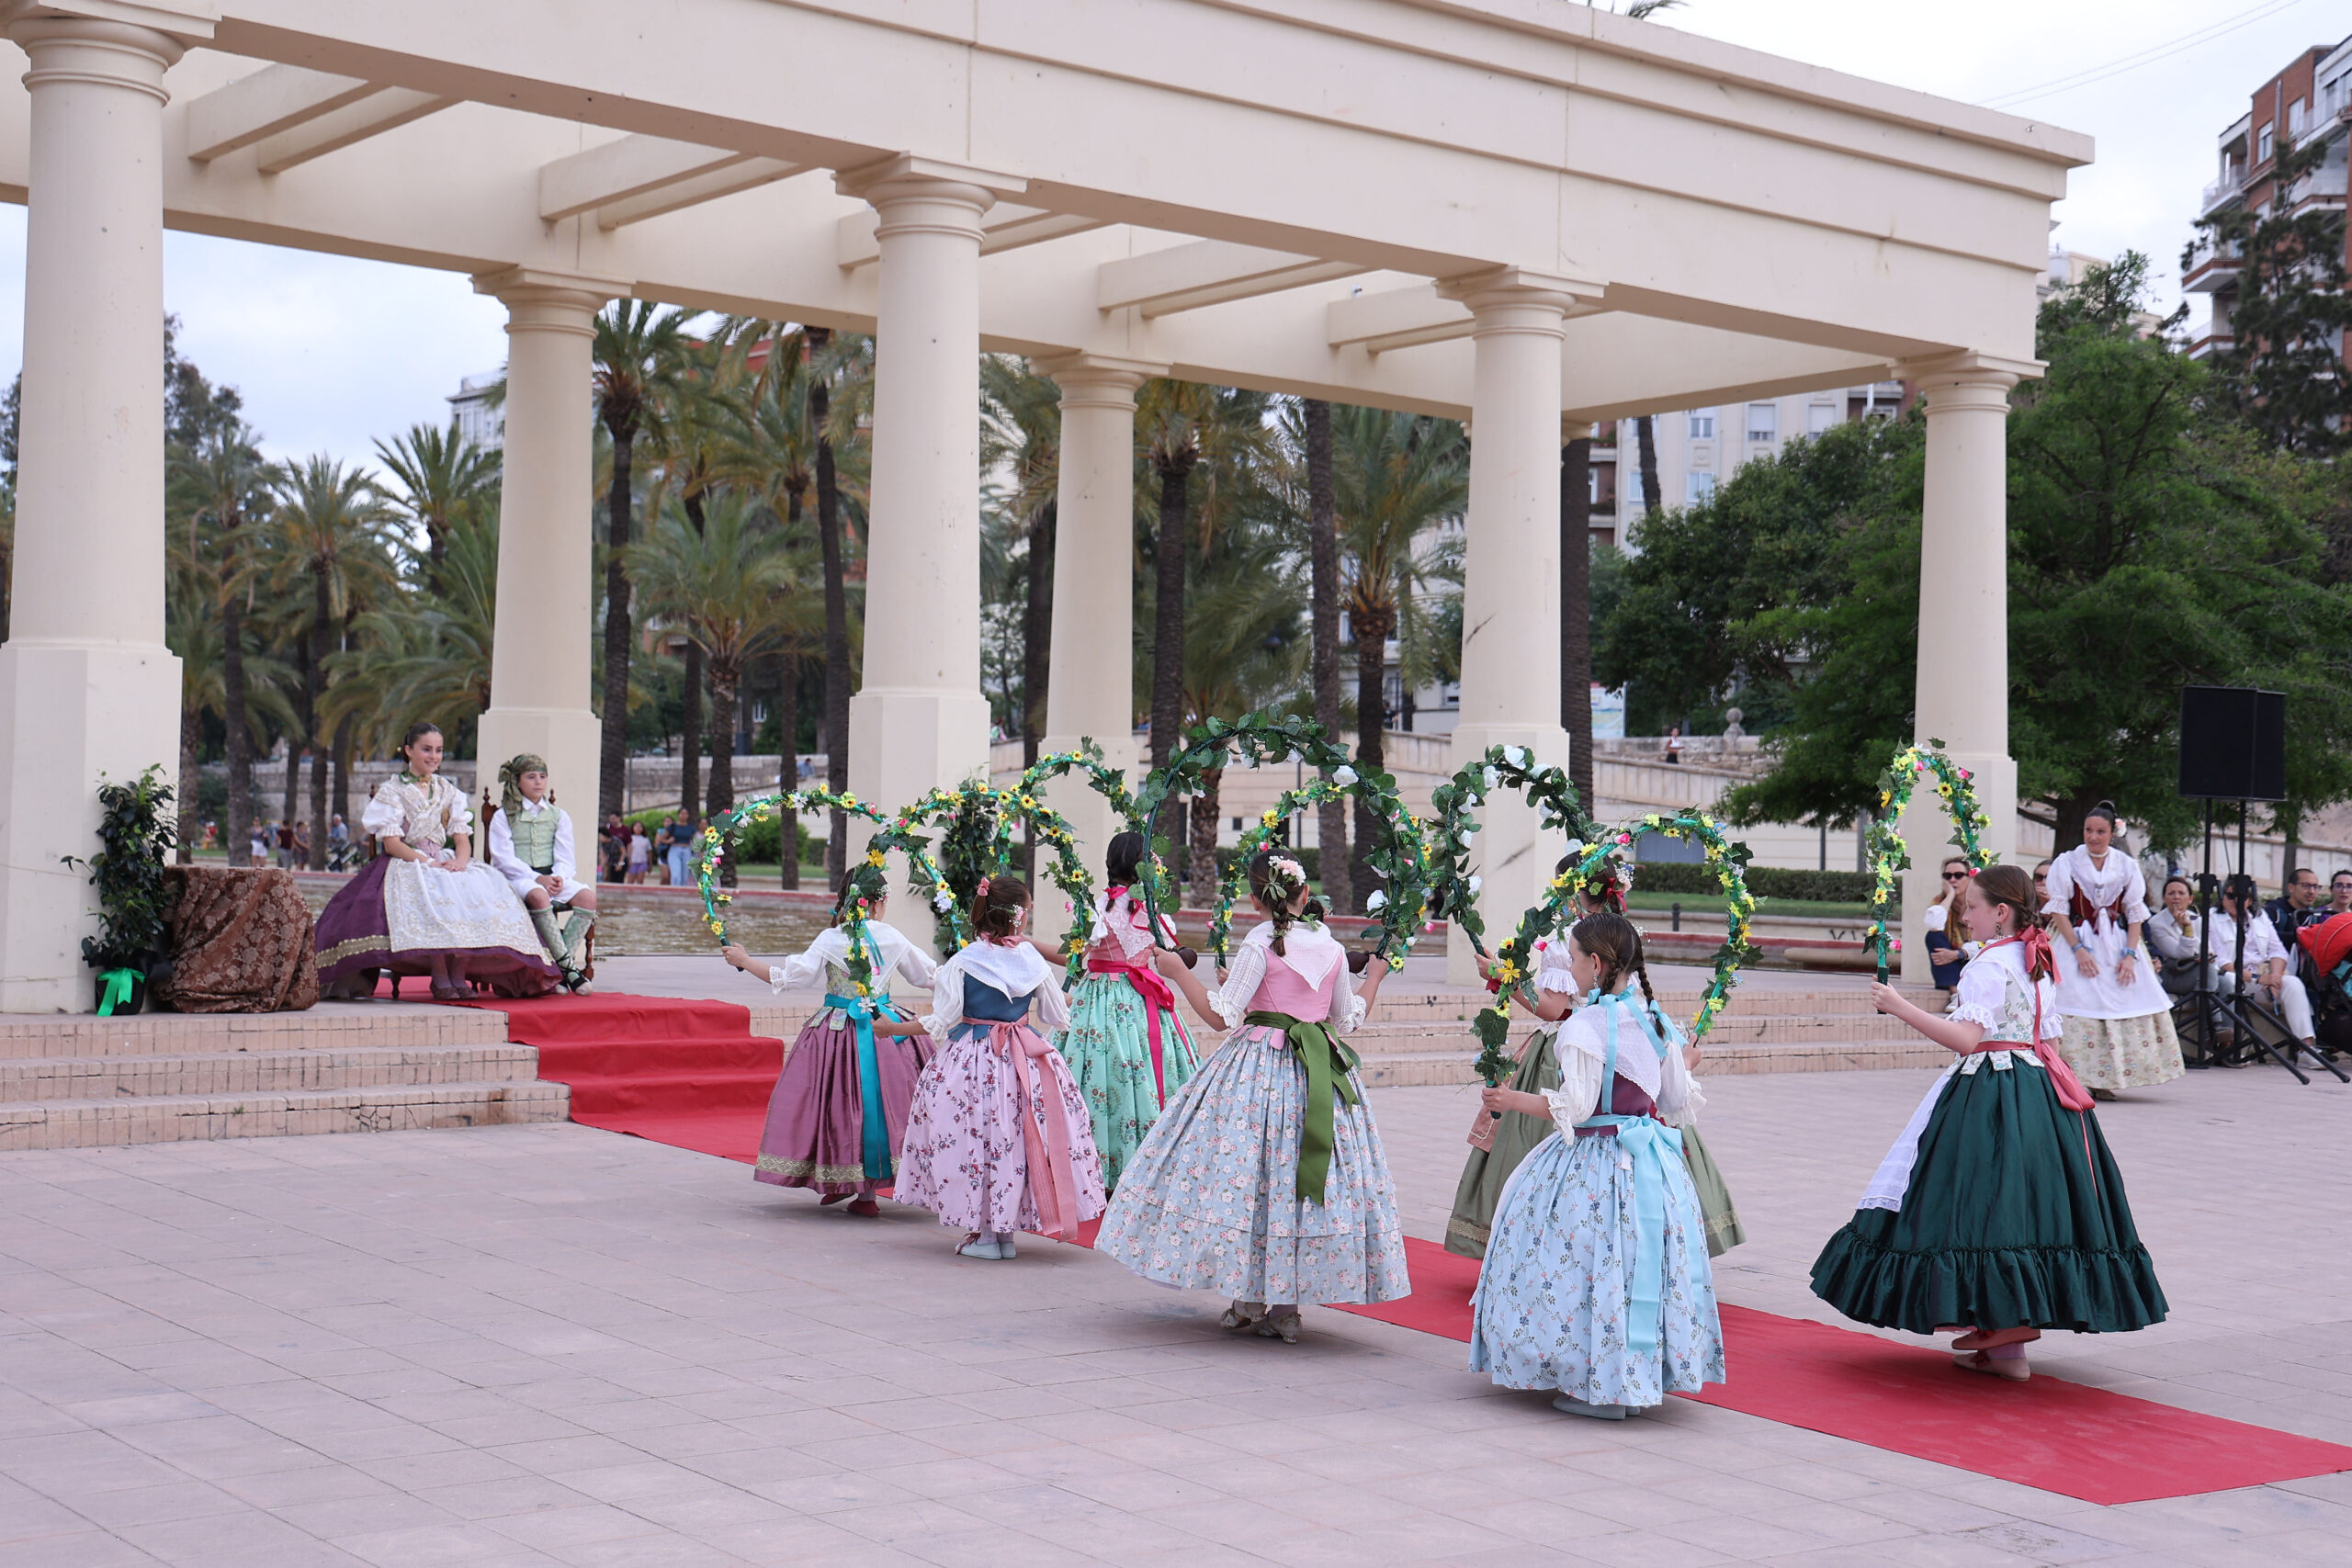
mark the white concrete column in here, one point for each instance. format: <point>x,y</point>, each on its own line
<point>1090,691</point>
<point>87,687</point>
<point>540,664</point>
<point>1963,668</point>
<point>1510,607</point>
<point>918,720</point>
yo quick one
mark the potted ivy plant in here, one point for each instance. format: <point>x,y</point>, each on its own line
<point>137,829</point>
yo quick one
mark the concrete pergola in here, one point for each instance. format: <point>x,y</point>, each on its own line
<point>1523,213</point>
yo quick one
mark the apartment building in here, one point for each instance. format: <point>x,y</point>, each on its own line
<point>2308,102</point>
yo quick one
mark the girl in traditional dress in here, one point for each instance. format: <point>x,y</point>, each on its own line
<point>2119,1021</point>
<point>1596,1280</point>
<point>841,1104</point>
<point>1125,1044</point>
<point>530,846</point>
<point>1499,1140</point>
<point>1999,1209</point>
<point>998,1140</point>
<point>1265,1178</point>
<point>425,906</point>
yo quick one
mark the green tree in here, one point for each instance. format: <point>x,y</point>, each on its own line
<point>440,476</point>
<point>1021,434</point>
<point>424,655</point>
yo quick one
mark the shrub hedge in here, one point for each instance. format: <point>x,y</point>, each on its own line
<point>1764,881</point>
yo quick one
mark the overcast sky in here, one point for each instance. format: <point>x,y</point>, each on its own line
<point>331,353</point>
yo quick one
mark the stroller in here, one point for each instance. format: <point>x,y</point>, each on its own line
<point>2327,976</point>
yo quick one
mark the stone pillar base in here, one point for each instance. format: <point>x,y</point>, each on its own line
<point>1512,856</point>
<point>1092,820</point>
<point>571,740</point>
<point>903,744</point>
<point>1927,830</point>
<point>68,715</point>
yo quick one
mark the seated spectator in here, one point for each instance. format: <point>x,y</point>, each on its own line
<point>2339,893</point>
<point>2298,907</point>
<point>2266,980</point>
<point>2172,934</point>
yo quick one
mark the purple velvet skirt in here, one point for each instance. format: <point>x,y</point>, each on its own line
<point>374,925</point>
<point>816,1130</point>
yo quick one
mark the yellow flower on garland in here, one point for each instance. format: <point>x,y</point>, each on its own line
<point>874,857</point>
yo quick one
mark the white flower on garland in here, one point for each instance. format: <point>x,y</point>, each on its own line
<point>1473,802</point>
<point>1476,883</point>
<point>1343,776</point>
<point>942,901</point>
<point>1493,778</point>
<point>1576,846</point>
<point>1377,902</point>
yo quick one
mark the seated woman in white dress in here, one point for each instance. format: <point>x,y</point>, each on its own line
<point>425,906</point>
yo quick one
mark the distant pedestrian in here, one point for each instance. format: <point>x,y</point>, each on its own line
<point>640,854</point>
<point>678,837</point>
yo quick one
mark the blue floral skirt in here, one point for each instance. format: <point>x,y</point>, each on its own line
<point>1210,1201</point>
<point>1555,1291</point>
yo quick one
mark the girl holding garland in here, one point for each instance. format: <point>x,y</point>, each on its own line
<point>1596,1282</point>
<point>1125,1042</point>
<point>998,1140</point>
<point>1265,1179</point>
<point>841,1104</point>
<point>1999,1209</point>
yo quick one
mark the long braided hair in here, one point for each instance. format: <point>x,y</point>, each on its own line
<point>1274,880</point>
<point>1615,943</point>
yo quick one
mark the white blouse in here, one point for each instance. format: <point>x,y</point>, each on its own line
<point>890,951</point>
<point>1126,922</point>
<point>1583,1051</point>
<point>1017,971</point>
<point>423,814</point>
<point>1552,968</point>
<point>2120,878</point>
<point>1310,952</point>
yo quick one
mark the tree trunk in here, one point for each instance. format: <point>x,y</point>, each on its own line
<point>1645,447</point>
<point>726,678</point>
<point>690,723</point>
<point>829,537</point>
<point>1372,628</point>
<point>1203,839</point>
<point>1575,614</point>
<point>1036,660</point>
<point>1323,556</point>
<point>342,778</point>
<point>613,782</point>
<point>1168,624</point>
<point>191,750</point>
<point>2066,831</point>
<point>787,729</point>
<point>321,626</point>
<point>236,828</point>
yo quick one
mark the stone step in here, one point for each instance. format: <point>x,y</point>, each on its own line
<point>214,1073</point>
<point>331,1024</point>
<point>163,1119</point>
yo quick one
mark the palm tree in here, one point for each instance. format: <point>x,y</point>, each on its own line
<point>640,351</point>
<point>1394,476</point>
<point>842,364</point>
<point>1021,431</point>
<point>1307,427</point>
<point>427,656</point>
<point>442,477</point>
<point>699,413</point>
<point>220,484</point>
<point>331,525</point>
<point>731,585</point>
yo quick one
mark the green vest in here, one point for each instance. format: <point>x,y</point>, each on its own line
<point>534,838</point>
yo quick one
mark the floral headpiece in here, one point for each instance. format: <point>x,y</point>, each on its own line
<point>1286,876</point>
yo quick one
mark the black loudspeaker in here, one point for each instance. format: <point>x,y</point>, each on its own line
<point>2232,743</point>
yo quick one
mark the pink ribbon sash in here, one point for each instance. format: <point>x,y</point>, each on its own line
<point>1157,995</point>
<point>1044,1128</point>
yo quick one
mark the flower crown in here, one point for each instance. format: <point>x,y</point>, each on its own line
<point>1284,876</point>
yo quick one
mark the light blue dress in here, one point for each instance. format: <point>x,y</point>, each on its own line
<point>1596,1279</point>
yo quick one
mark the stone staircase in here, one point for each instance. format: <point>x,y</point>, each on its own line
<point>81,1082</point>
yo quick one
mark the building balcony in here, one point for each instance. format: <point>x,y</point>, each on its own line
<point>2223,191</point>
<point>2212,266</point>
<point>2211,343</point>
<point>2321,189</point>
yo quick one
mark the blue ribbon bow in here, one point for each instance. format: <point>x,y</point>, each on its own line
<point>875,1141</point>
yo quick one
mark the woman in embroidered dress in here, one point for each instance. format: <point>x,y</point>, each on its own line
<point>998,1140</point>
<point>1999,1209</point>
<point>530,846</point>
<point>841,1104</point>
<point>2119,1021</point>
<point>1265,1179</point>
<point>425,906</point>
<point>1128,1049</point>
<point>1596,1280</point>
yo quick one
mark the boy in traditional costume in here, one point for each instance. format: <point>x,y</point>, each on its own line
<point>530,846</point>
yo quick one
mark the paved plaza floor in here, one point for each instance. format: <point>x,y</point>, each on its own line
<point>556,1346</point>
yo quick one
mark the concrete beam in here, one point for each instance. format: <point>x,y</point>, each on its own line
<point>1207,272</point>
<point>272,100</point>
<point>379,110</point>
<point>1395,318</point>
<point>643,177</point>
<point>1007,227</point>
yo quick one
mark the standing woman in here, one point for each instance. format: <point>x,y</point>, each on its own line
<point>425,906</point>
<point>1125,1044</point>
<point>2119,1021</point>
<point>841,1104</point>
<point>1265,1179</point>
<point>1999,1209</point>
<point>1596,1283</point>
<point>1947,942</point>
<point>998,1140</point>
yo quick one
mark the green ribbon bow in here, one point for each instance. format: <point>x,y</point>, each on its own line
<point>1328,1063</point>
<point>118,983</point>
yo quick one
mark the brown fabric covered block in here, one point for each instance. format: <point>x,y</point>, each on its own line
<point>241,942</point>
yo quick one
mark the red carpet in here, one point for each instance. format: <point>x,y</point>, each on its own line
<point>689,1074</point>
<point>2058,1436</point>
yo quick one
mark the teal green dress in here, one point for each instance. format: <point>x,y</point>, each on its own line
<point>1127,1049</point>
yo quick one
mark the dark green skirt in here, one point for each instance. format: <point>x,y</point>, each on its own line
<point>1485,1172</point>
<point>2014,1218</point>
